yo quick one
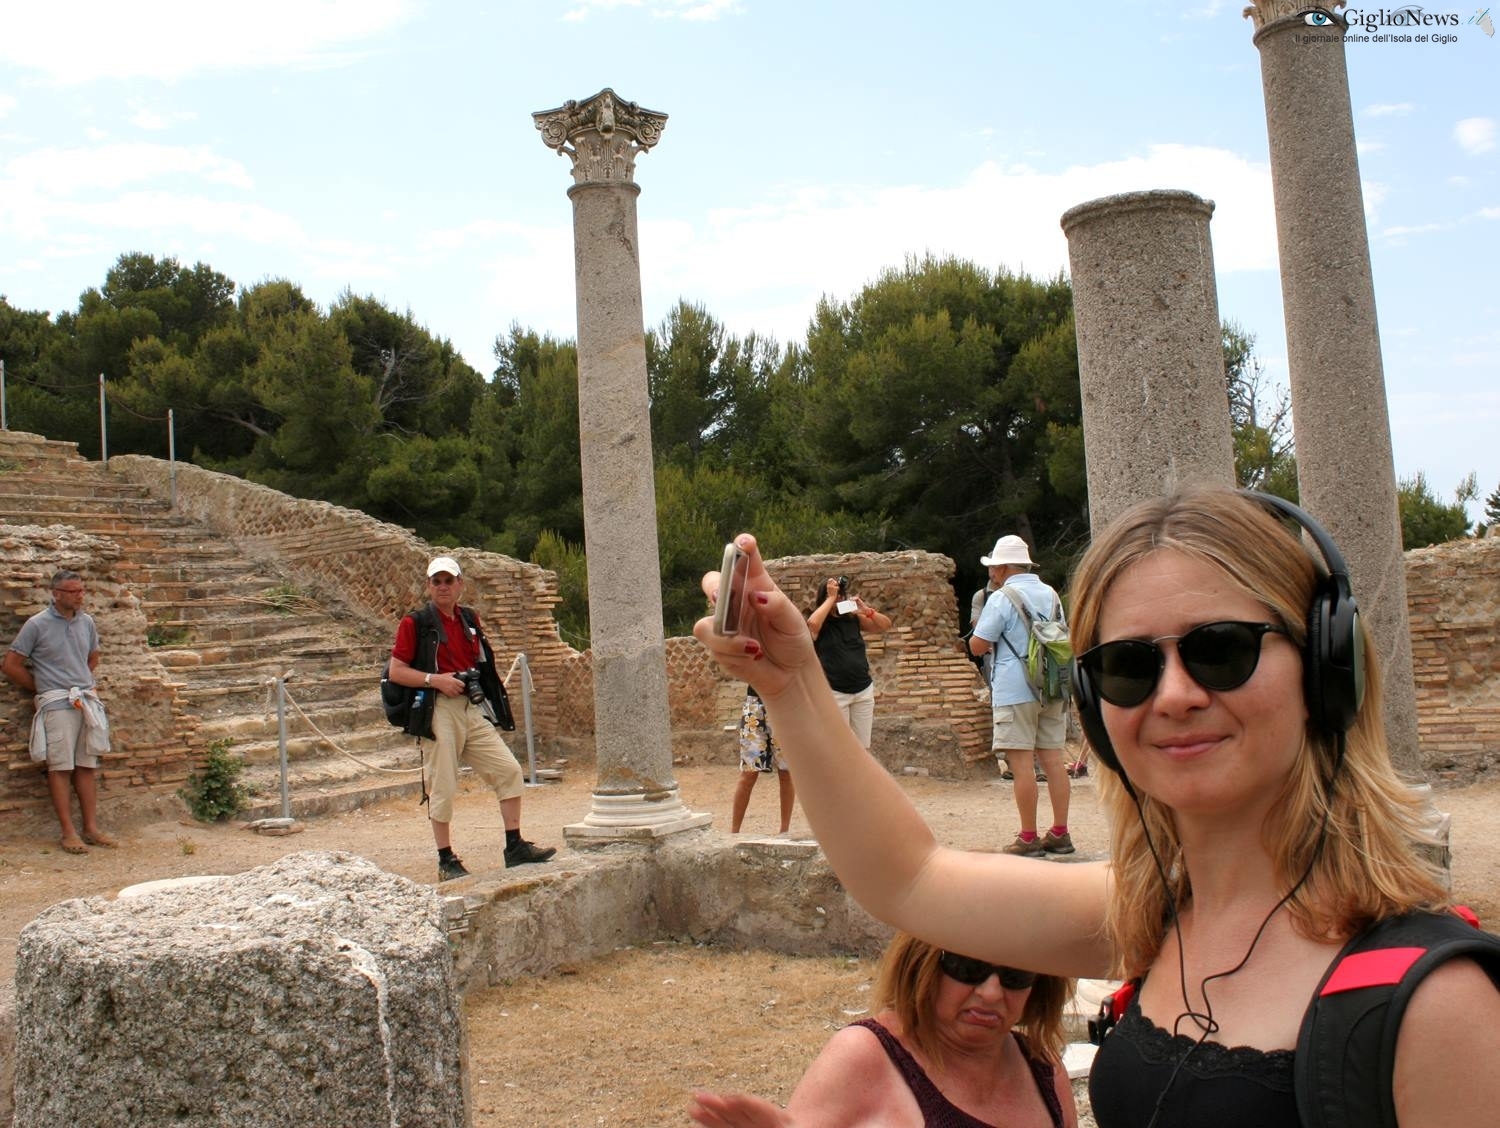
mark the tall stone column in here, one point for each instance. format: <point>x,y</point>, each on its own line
<point>635,796</point>
<point>1150,351</point>
<point>1345,469</point>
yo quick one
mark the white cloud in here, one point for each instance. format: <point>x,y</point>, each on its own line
<point>64,172</point>
<point>692,11</point>
<point>7,104</point>
<point>1489,213</point>
<point>91,39</point>
<point>770,260</point>
<point>1475,135</point>
<point>1387,109</point>
<point>143,116</point>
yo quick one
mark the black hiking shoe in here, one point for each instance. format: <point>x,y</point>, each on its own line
<point>523,852</point>
<point>452,869</point>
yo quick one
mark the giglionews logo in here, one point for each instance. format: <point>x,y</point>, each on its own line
<point>1408,24</point>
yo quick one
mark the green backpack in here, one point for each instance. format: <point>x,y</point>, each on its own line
<point>1049,652</point>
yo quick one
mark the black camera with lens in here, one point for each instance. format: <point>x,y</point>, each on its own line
<point>843,587</point>
<point>472,689</point>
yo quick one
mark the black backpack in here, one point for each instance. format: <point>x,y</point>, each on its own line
<point>406,707</point>
<point>1346,1048</point>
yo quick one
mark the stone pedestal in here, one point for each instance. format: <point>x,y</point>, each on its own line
<point>1345,469</point>
<point>1150,352</point>
<point>636,795</point>
<point>317,990</point>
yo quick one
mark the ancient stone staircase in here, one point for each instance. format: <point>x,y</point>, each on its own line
<point>225,627</point>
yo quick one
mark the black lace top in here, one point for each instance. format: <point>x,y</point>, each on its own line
<point>1222,1086</point>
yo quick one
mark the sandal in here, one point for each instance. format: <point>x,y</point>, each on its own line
<point>101,839</point>
<point>72,844</point>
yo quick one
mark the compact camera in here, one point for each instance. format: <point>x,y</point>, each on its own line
<point>472,689</point>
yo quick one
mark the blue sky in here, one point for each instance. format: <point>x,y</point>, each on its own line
<point>387,146</point>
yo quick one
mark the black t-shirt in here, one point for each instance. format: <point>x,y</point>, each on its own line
<point>841,650</point>
<point>1225,1086</point>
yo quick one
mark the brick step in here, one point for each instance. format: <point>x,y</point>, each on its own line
<point>333,783</point>
<point>351,726</point>
<point>241,697</point>
<point>186,597</point>
<point>148,531</point>
<point>304,746</point>
<point>280,651</point>
<point>89,491</point>
<point>226,627</point>
<point>223,666</point>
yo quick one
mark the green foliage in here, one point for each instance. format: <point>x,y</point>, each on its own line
<point>166,634</point>
<point>1260,418</point>
<point>1425,518</point>
<point>1492,508</point>
<point>936,408</point>
<point>212,792</point>
<point>572,569</point>
<point>284,597</point>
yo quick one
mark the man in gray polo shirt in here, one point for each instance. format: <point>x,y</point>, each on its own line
<point>61,645</point>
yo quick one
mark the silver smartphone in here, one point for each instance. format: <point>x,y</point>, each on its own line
<point>729,608</point>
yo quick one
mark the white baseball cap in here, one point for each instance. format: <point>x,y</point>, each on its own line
<point>1008,550</point>
<point>444,564</point>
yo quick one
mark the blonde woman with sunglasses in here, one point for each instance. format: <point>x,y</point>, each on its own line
<point>955,1043</point>
<point>1251,836</point>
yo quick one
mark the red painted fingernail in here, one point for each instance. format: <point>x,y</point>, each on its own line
<point>752,647</point>
<point>762,598</point>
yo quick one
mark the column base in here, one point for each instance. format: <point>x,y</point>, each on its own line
<point>633,818</point>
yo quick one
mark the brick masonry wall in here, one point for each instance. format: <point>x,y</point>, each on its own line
<point>1453,592</point>
<point>153,738</point>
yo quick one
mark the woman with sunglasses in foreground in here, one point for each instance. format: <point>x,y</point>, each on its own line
<point>956,1043</point>
<point>1249,838</point>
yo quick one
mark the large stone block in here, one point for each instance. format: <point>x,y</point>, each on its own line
<point>315,991</point>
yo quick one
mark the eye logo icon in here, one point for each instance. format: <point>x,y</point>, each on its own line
<point>1320,17</point>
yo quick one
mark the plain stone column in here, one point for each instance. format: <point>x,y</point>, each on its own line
<point>318,990</point>
<point>636,794</point>
<point>1150,350</point>
<point>1345,469</point>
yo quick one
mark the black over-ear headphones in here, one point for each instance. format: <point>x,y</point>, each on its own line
<point>1333,657</point>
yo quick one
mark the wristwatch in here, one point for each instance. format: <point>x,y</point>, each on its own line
<point>427,680</point>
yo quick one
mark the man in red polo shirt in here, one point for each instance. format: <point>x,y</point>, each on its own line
<point>462,731</point>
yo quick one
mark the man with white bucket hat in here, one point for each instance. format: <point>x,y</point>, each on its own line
<point>1023,726</point>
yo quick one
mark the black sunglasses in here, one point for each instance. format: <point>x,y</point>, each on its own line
<point>1218,656</point>
<point>974,972</point>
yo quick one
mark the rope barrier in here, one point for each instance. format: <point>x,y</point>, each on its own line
<point>335,745</point>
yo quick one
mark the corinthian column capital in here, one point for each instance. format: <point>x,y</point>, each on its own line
<point>1265,12</point>
<point>602,136</point>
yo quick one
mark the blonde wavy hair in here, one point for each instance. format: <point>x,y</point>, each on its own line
<point>907,981</point>
<point>1370,864</point>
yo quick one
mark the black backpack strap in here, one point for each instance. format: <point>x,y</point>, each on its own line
<point>1346,1049</point>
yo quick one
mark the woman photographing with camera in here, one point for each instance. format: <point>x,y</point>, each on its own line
<point>1226,686</point>
<point>838,623</point>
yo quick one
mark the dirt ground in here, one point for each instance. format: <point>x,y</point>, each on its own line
<point>620,1040</point>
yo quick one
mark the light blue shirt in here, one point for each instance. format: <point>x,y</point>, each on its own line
<point>1001,623</point>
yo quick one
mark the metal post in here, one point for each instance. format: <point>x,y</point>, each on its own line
<point>103,434</point>
<point>286,799</point>
<point>172,454</point>
<point>526,719</point>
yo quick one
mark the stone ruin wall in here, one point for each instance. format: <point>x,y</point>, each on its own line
<point>154,738</point>
<point>928,715</point>
<point>1453,594</point>
<point>372,568</point>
